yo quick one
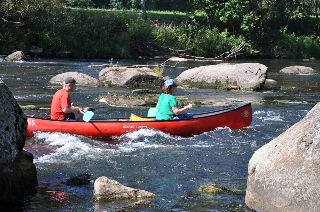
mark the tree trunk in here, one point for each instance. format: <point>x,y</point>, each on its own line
<point>316,6</point>
<point>143,8</point>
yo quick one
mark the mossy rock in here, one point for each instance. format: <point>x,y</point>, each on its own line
<point>213,189</point>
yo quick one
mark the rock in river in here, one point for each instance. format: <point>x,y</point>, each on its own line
<point>244,76</point>
<point>18,175</point>
<point>107,189</point>
<point>284,174</point>
<point>82,79</point>
<point>297,70</point>
<point>131,77</point>
<point>16,56</point>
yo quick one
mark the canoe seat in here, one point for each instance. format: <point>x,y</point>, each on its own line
<point>134,117</point>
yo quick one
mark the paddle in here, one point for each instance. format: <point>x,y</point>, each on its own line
<point>152,112</point>
<point>87,115</point>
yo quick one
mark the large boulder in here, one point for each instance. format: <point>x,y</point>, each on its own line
<point>18,174</point>
<point>16,56</point>
<point>284,174</point>
<point>131,77</point>
<point>107,189</point>
<point>244,76</point>
<point>297,70</point>
<point>82,79</point>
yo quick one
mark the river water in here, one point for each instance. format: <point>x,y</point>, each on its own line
<point>172,167</point>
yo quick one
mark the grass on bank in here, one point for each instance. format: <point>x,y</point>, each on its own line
<point>173,17</point>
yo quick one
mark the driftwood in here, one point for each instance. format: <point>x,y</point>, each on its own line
<point>233,53</point>
<point>138,66</point>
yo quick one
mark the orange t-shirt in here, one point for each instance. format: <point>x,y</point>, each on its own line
<point>60,100</point>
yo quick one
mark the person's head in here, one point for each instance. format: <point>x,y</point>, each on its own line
<point>69,84</point>
<point>169,86</point>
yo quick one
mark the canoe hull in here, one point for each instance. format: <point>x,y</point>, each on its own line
<point>234,118</point>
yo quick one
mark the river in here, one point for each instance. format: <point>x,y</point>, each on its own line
<point>172,167</point>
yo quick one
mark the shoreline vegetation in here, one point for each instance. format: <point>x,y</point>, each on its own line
<point>63,31</point>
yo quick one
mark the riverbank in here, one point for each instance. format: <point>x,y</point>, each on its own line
<point>98,33</point>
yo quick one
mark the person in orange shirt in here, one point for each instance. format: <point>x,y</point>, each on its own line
<point>61,105</point>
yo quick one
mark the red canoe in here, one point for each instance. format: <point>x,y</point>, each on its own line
<point>234,117</point>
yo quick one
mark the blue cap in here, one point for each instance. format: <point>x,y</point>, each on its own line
<point>169,82</point>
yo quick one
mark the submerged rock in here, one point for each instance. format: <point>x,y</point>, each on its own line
<point>244,76</point>
<point>297,70</point>
<point>214,188</point>
<point>284,174</point>
<point>18,175</point>
<point>130,100</point>
<point>81,179</point>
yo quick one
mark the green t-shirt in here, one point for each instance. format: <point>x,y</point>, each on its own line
<point>165,104</point>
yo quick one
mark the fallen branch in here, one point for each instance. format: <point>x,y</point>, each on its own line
<point>128,66</point>
<point>136,66</point>
<point>12,22</point>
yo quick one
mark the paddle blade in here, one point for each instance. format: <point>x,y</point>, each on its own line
<point>87,116</point>
<point>152,112</point>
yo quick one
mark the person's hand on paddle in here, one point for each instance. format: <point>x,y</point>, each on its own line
<point>178,111</point>
<point>189,106</point>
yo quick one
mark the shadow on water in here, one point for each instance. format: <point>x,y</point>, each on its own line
<point>172,167</point>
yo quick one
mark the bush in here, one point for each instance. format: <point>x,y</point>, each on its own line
<point>292,46</point>
<point>200,41</point>
<point>79,3</point>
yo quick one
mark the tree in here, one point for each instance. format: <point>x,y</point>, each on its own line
<point>143,8</point>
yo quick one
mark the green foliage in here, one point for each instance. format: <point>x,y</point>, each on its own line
<point>140,30</point>
<point>293,46</point>
<point>32,22</point>
<point>200,41</point>
<point>221,25</point>
<point>79,3</point>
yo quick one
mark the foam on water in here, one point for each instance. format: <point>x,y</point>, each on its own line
<point>267,115</point>
<point>67,147</point>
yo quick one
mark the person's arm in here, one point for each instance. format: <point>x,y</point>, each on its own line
<point>178,111</point>
<point>71,109</point>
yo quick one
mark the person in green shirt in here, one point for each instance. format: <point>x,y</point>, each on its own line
<point>168,107</point>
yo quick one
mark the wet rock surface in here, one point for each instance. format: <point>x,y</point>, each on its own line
<point>17,171</point>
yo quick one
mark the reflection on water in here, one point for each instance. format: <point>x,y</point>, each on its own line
<point>172,167</point>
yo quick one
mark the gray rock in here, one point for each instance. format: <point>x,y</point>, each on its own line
<point>13,126</point>
<point>16,56</point>
<point>131,77</point>
<point>297,70</point>
<point>284,174</point>
<point>107,189</point>
<point>18,174</point>
<point>271,84</point>
<point>35,50</point>
<point>82,79</point>
<point>244,76</point>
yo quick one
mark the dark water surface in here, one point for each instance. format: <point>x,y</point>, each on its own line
<point>172,167</point>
